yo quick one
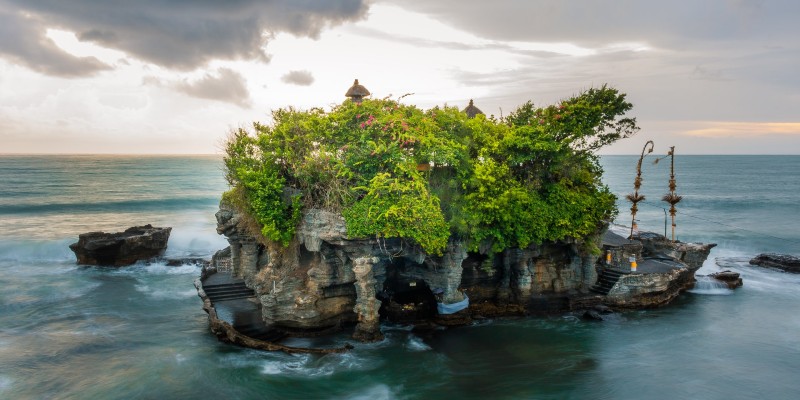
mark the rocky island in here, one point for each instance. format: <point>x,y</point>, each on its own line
<point>378,211</point>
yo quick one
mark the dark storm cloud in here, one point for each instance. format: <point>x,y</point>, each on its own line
<point>180,34</point>
<point>604,21</point>
<point>300,78</point>
<point>23,41</point>
<point>227,86</point>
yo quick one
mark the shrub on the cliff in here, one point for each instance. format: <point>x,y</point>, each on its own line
<point>527,178</point>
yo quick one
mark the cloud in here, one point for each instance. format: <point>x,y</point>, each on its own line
<point>180,35</point>
<point>300,78</point>
<point>744,129</point>
<point>605,21</point>
<point>226,86</point>
<point>23,41</point>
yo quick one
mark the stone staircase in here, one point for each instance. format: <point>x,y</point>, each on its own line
<point>244,316</point>
<point>228,291</point>
<point>606,281</point>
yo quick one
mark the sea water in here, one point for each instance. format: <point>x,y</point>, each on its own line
<point>139,332</point>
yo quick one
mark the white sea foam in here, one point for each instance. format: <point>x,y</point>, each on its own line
<point>37,250</point>
<point>198,239</point>
<point>415,343</point>
<point>163,269</point>
<point>378,392</point>
<point>710,286</point>
<point>5,383</point>
<point>161,294</point>
<point>757,278</point>
<point>153,269</point>
<point>307,366</point>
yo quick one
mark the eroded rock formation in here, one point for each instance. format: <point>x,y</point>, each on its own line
<point>121,248</point>
<point>324,281</point>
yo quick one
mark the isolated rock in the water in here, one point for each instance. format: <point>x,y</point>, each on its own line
<point>602,309</point>
<point>177,262</point>
<point>780,261</point>
<point>730,278</point>
<point>592,315</point>
<point>121,248</point>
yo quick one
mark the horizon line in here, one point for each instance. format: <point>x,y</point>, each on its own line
<point>220,154</point>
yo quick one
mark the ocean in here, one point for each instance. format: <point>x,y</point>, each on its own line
<point>139,332</point>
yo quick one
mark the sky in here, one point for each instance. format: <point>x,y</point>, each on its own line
<point>176,76</point>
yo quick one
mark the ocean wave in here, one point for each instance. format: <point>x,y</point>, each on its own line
<point>308,366</point>
<point>152,269</point>
<point>761,279</point>
<point>165,294</point>
<point>36,250</point>
<point>710,286</point>
<point>162,204</point>
<point>377,392</point>
<point>415,343</point>
<point>196,240</point>
<point>5,383</point>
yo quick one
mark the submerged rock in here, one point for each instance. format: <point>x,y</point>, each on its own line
<point>121,248</point>
<point>783,262</point>
<point>592,315</point>
<point>177,262</point>
<point>728,277</point>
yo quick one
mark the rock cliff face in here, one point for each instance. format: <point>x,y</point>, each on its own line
<point>323,280</point>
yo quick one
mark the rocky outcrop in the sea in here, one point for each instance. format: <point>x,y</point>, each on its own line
<point>730,278</point>
<point>121,248</point>
<point>324,281</point>
<point>664,269</point>
<point>782,262</point>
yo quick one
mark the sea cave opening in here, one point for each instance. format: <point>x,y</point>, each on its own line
<point>406,297</point>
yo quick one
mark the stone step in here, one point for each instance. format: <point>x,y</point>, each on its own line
<point>606,281</point>
<point>223,286</point>
<point>228,295</point>
<point>228,290</point>
<point>605,284</point>
<point>231,295</point>
<point>231,290</point>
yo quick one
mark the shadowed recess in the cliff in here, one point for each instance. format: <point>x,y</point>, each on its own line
<point>406,297</point>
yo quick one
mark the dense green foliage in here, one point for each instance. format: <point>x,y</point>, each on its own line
<point>394,170</point>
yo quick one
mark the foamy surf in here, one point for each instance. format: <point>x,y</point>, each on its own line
<point>309,366</point>
<point>165,294</point>
<point>376,392</point>
<point>710,286</point>
<point>415,343</point>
